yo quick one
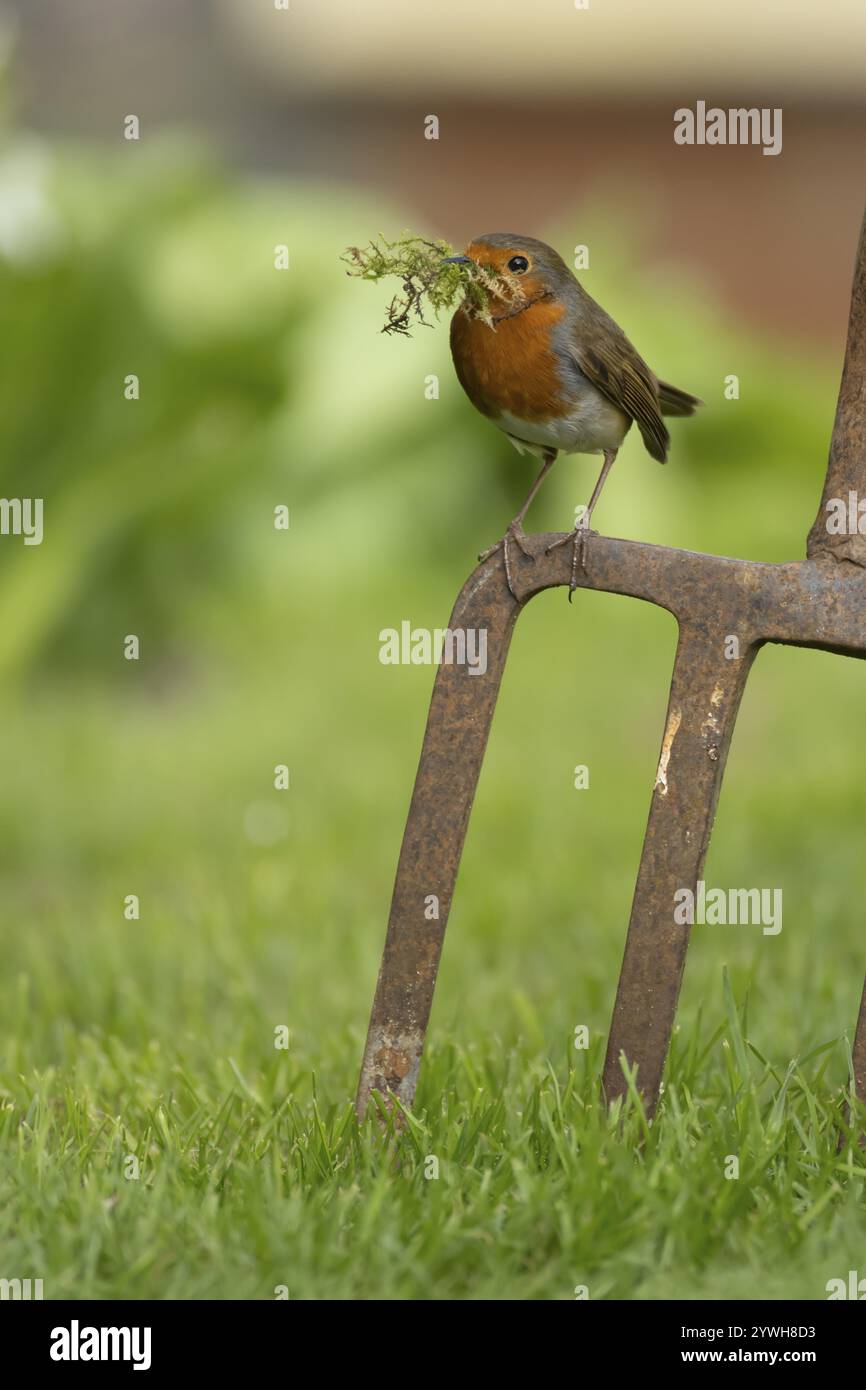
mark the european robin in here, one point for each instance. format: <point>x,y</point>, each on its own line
<point>555,373</point>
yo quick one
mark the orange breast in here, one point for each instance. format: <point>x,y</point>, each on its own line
<point>511,366</point>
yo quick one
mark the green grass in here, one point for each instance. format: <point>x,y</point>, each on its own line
<point>155,1038</point>
<point>260,909</point>
<point>251,1182</point>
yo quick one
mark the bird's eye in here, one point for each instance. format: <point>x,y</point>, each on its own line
<point>518,264</point>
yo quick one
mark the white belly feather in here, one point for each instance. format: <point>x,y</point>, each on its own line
<point>594,424</point>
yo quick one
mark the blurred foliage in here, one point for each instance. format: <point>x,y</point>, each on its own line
<point>260,387</point>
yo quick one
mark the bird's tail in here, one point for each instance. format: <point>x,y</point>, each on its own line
<point>673,401</point>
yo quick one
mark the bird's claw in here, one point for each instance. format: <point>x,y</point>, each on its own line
<point>578,539</point>
<point>515,533</point>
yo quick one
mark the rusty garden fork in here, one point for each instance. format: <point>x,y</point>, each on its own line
<point>816,602</point>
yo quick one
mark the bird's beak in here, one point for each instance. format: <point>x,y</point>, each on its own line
<point>456,260</point>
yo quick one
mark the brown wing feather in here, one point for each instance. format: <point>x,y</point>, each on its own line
<point>676,402</point>
<point>618,373</point>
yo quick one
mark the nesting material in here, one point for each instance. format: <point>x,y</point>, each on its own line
<point>428,282</point>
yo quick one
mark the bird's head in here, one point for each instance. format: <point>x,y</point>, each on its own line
<point>536,266</point>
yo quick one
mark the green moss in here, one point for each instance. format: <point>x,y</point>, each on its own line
<point>419,264</point>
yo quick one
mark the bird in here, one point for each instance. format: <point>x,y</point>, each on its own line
<point>554,372</point>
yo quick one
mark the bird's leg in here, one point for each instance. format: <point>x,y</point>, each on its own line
<point>579,536</point>
<point>515,530</point>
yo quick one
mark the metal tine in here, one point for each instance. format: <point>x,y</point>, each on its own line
<point>819,602</point>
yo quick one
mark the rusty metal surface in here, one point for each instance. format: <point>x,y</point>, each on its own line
<point>818,602</point>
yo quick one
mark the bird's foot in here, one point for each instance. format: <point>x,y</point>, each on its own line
<point>514,533</point>
<point>577,539</point>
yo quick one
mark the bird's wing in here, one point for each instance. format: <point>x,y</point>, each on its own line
<point>612,365</point>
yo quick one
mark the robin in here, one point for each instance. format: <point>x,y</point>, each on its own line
<point>555,373</point>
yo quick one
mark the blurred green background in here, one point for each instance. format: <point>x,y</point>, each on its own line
<point>260,647</point>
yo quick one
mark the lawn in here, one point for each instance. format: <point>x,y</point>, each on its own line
<point>154,1142</point>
